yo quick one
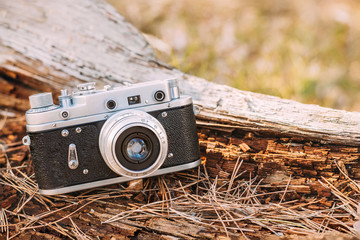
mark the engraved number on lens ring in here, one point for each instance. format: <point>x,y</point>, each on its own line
<point>110,104</point>
<point>159,96</point>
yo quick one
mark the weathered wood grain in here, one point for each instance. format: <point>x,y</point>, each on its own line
<point>51,45</point>
<point>277,160</point>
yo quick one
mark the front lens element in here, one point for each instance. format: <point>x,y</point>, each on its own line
<point>133,143</point>
<point>137,150</point>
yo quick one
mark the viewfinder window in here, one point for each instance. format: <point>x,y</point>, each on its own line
<point>134,99</point>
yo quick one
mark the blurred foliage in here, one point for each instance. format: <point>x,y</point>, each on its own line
<point>303,50</point>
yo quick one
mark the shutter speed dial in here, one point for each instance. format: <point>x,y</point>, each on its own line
<point>41,100</point>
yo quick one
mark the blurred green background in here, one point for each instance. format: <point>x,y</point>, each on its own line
<point>305,50</point>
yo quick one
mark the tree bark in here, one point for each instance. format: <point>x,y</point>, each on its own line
<point>51,45</point>
<point>47,46</point>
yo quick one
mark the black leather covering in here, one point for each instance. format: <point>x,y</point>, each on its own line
<point>49,149</point>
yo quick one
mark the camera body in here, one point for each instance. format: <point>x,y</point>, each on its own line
<point>100,137</point>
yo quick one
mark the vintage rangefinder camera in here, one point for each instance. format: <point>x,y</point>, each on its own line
<point>100,137</point>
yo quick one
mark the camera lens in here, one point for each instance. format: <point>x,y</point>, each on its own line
<point>137,148</point>
<point>133,143</point>
<point>159,96</point>
<point>111,104</point>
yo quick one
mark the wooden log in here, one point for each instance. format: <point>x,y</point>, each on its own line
<point>48,46</point>
<point>277,160</point>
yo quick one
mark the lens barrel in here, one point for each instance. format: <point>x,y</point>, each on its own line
<point>133,143</point>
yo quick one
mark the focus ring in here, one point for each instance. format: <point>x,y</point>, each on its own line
<point>120,123</point>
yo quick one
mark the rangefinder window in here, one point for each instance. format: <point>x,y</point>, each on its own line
<point>159,96</point>
<point>134,100</point>
<point>111,105</point>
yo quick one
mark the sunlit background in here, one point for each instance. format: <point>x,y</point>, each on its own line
<point>303,50</point>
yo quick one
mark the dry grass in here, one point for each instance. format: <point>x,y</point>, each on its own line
<point>303,50</point>
<point>229,207</point>
<point>232,207</point>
